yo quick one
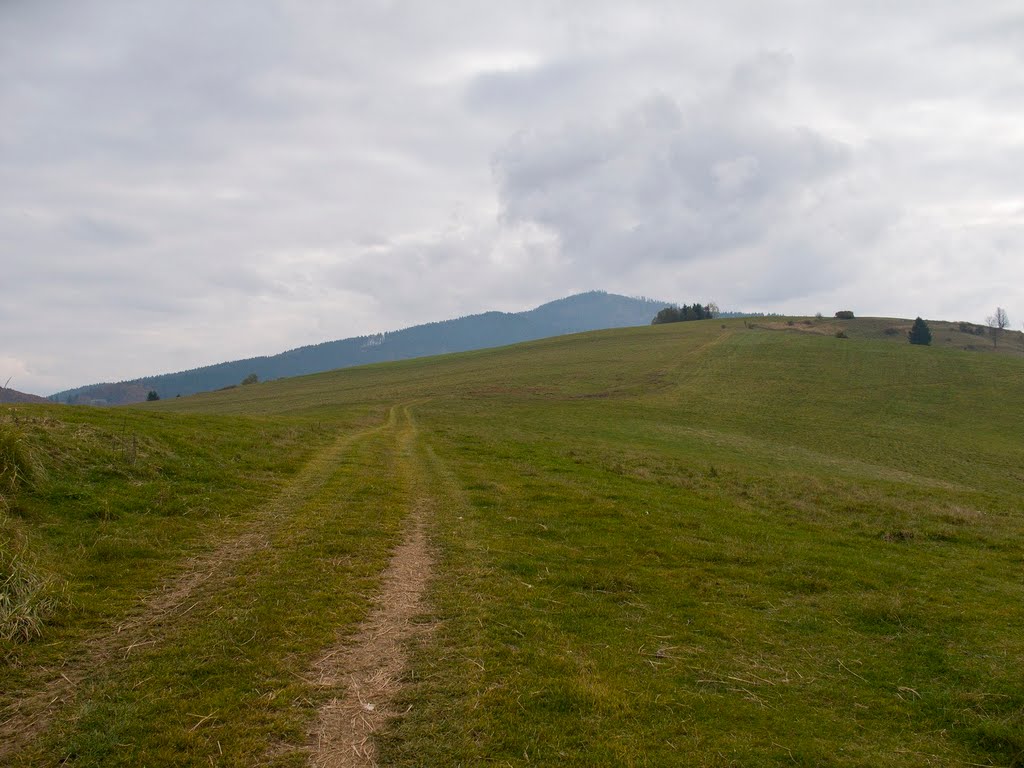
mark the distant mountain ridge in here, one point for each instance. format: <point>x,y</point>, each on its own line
<point>590,311</point>
<point>8,395</point>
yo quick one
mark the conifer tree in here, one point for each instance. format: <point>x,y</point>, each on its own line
<point>920,333</point>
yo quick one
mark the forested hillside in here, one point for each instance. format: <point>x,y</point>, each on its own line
<point>583,312</point>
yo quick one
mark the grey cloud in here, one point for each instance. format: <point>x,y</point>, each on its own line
<point>1005,31</point>
<point>763,75</point>
<point>670,183</point>
<point>184,182</point>
<point>521,92</point>
<point>105,232</point>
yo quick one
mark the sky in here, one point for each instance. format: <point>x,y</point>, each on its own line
<point>184,182</point>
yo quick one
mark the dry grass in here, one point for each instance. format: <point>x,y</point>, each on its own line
<point>819,328</point>
<point>19,465</point>
<point>28,596</point>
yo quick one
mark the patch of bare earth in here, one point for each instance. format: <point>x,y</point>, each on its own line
<point>802,326</point>
<point>367,667</point>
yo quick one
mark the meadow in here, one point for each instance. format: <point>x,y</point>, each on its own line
<point>710,543</point>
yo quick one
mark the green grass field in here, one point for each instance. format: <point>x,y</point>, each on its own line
<point>692,544</point>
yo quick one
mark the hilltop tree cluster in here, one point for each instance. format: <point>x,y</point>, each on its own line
<point>678,314</point>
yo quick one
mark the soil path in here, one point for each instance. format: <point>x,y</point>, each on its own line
<point>30,715</point>
<point>366,668</point>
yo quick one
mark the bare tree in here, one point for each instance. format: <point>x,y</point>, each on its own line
<point>998,323</point>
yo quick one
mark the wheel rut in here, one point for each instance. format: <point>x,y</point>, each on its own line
<point>30,716</point>
<point>366,669</point>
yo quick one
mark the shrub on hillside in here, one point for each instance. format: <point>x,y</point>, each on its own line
<point>841,335</point>
<point>844,314</point>
<point>976,330</point>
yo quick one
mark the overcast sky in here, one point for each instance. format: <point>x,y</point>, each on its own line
<point>185,182</point>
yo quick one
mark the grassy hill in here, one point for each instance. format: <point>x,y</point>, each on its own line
<point>713,543</point>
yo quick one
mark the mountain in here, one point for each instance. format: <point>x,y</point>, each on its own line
<point>590,311</point>
<point>14,396</point>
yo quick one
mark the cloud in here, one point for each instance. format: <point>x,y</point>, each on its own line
<point>701,182</point>
<point>183,183</point>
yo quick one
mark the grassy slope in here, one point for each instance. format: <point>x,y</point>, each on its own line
<point>119,499</point>
<point>817,534</point>
<point>686,544</point>
<point>801,550</point>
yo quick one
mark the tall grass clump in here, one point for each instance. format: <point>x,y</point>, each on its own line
<point>27,595</point>
<point>19,466</point>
